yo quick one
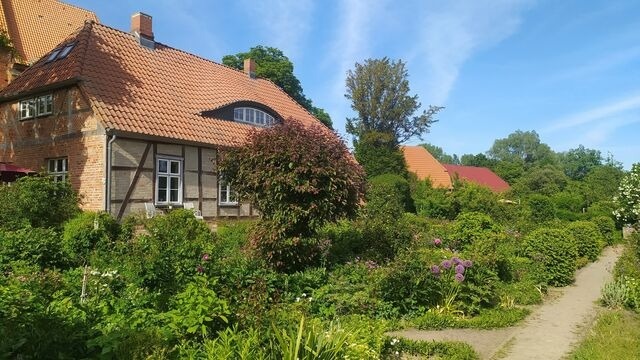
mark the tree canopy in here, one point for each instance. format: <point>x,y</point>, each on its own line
<point>379,93</point>
<point>440,155</point>
<point>577,162</point>
<point>272,64</point>
<point>522,147</point>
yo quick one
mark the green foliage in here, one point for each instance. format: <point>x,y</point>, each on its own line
<point>588,239</point>
<point>86,232</point>
<point>379,154</point>
<point>601,183</point>
<point>522,147</point>
<point>480,160</point>
<point>541,208</point>
<point>615,294</point>
<point>235,344</point>
<point>470,197</point>
<point>628,197</point>
<point>616,335</point>
<point>309,342</point>
<point>388,196</point>
<point>485,319</point>
<point>470,227</point>
<point>197,311</point>
<point>556,250</point>
<point>36,246</point>
<point>272,64</point>
<point>526,292</point>
<point>397,348</point>
<point>379,93</point>
<point>547,180</point>
<point>435,203</point>
<point>37,202</point>
<point>578,162</point>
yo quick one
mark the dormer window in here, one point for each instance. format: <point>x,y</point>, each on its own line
<point>253,116</point>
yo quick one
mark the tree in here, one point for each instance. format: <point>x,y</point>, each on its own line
<point>379,93</point>
<point>628,198</point>
<point>272,64</point>
<point>545,180</point>
<point>577,163</point>
<point>379,155</point>
<point>522,147</point>
<point>298,178</point>
<point>480,160</point>
<point>440,155</point>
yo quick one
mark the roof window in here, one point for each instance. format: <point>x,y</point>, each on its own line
<point>60,53</point>
<point>253,116</point>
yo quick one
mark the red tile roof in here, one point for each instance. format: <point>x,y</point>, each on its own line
<point>424,165</point>
<point>478,175</point>
<point>37,26</point>
<point>159,92</point>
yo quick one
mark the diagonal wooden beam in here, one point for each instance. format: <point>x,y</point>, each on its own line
<point>134,182</point>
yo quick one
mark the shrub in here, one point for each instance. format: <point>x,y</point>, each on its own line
<point>379,154</point>
<point>615,294</point>
<point>607,228</point>
<point>86,232</point>
<point>628,197</point>
<point>346,241</point>
<point>556,250</point>
<point>299,178</point>
<point>588,239</point>
<point>388,195</point>
<point>37,202</point>
<point>471,227</point>
<point>470,197</point>
<point>541,208</point>
<point>35,245</point>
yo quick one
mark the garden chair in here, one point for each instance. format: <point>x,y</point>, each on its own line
<point>150,209</point>
<point>196,212</point>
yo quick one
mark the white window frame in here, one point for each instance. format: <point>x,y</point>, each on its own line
<point>169,175</point>
<point>58,168</point>
<point>27,108</point>
<point>253,116</point>
<point>36,106</point>
<point>228,191</point>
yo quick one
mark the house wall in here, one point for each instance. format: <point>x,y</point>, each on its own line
<point>72,131</point>
<point>133,180</point>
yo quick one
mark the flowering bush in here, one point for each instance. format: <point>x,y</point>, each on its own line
<point>628,198</point>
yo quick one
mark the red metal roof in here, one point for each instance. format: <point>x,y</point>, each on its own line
<point>478,175</point>
<point>14,169</point>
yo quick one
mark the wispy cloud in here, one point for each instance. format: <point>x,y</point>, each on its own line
<point>604,112</point>
<point>455,30</point>
<point>285,22</point>
<point>599,65</point>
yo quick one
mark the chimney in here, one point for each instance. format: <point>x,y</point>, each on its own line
<point>250,67</point>
<point>142,28</point>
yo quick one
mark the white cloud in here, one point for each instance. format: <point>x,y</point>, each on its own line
<point>598,65</point>
<point>285,22</point>
<point>603,112</point>
<point>455,30</point>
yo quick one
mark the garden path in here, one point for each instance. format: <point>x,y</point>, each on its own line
<point>553,328</point>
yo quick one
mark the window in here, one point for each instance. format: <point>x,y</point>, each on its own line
<point>168,181</point>
<point>253,116</point>
<point>58,168</point>
<point>226,195</point>
<point>37,106</point>
<point>60,53</point>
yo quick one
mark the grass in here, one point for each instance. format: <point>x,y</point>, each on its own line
<point>486,319</point>
<point>616,335</point>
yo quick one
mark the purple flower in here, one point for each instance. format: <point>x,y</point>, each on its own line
<point>205,257</point>
<point>459,269</point>
<point>467,263</point>
<point>456,260</point>
<point>447,264</point>
<point>435,270</point>
<point>459,277</point>
<point>437,242</point>
<point>200,269</point>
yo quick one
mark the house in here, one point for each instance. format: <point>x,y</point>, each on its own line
<point>131,121</point>
<point>34,28</point>
<point>425,166</point>
<point>478,175</point>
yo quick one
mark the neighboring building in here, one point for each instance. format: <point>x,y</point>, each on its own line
<point>425,166</point>
<point>130,121</point>
<point>35,27</point>
<point>478,175</point>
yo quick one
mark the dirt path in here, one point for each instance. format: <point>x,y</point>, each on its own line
<point>551,331</point>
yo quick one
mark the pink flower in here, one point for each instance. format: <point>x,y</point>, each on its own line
<point>205,257</point>
<point>459,277</point>
<point>447,264</point>
<point>437,242</point>
<point>459,269</point>
<point>467,263</point>
<point>200,269</point>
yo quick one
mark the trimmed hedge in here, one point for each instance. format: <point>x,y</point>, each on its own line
<point>557,251</point>
<point>588,239</point>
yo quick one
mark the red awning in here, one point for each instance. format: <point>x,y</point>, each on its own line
<point>14,169</point>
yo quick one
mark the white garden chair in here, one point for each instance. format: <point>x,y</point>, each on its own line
<point>151,210</point>
<point>190,206</point>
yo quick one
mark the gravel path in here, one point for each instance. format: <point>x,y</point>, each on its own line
<point>551,331</point>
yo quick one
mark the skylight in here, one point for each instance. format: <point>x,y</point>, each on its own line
<point>60,53</point>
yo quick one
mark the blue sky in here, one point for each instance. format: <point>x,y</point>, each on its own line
<point>568,69</point>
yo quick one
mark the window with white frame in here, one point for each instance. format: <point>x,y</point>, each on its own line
<point>168,181</point>
<point>58,168</point>
<point>253,116</point>
<point>36,106</point>
<point>226,194</point>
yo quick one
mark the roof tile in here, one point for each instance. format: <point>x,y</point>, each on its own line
<point>425,166</point>
<point>479,175</point>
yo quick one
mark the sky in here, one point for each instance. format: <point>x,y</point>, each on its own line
<point>570,70</point>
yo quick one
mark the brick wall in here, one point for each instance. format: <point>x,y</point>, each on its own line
<point>72,131</point>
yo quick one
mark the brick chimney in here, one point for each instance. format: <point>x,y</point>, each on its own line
<point>142,27</point>
<point>250,67</point>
